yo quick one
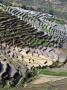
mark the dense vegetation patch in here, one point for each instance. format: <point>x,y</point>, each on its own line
<point>53,73</point>
<point>57,20</point>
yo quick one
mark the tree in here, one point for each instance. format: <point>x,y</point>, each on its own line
<point>51,12</point>
<point>1,1</point>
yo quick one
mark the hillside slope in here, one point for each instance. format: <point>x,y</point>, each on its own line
<point>58,7</point>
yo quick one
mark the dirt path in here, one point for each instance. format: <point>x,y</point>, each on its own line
<point>45,78</point>
<point>56,85</point>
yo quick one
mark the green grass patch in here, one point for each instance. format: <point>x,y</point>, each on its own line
<point>40,42</point>
<point>45,43</point>
<point>45,28</point>
<point>58,21</point>
<point>53,73</point>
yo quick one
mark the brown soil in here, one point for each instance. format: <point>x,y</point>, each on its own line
<point>57,85</point>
